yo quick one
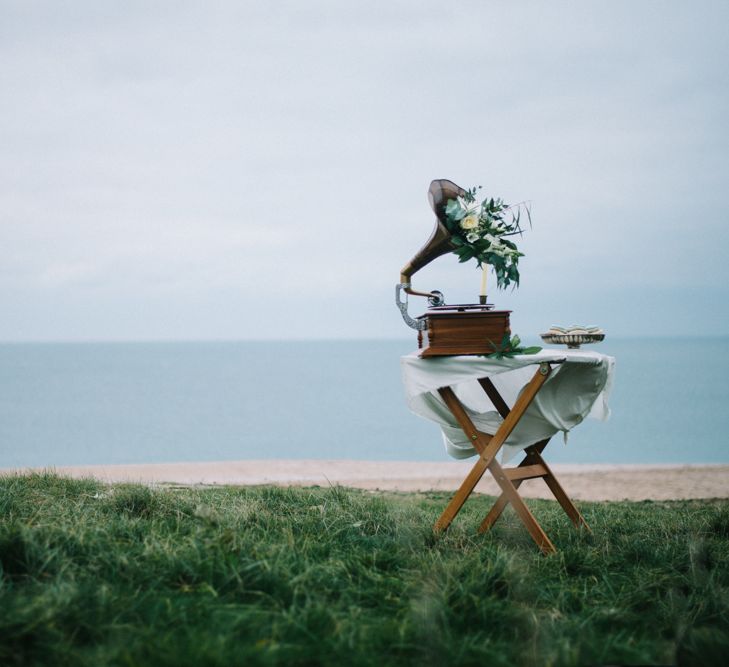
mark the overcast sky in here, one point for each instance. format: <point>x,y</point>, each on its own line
<point>228,170</point>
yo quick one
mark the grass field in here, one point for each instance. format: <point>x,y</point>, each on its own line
<point>124,575</point>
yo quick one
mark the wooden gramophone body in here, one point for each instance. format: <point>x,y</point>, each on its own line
<point>462,329</point>
<point>448,329</point>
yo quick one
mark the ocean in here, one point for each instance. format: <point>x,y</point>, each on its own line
<point>89,403</point>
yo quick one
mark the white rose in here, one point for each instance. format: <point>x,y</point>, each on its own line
<point>469,222</point>
<point>472,237</point>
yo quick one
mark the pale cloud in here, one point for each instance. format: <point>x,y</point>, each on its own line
<point>275,157</point>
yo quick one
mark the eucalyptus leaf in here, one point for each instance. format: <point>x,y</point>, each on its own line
<point>510,348</point>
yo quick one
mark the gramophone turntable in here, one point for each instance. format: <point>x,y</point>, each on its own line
<point>448,329</point>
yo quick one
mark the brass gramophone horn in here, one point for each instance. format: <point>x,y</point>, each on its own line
<point>439,243</point>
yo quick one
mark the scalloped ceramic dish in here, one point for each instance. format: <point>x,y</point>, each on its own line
<point>572,341</point>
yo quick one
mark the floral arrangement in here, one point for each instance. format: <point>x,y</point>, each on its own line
<point>479,231</point>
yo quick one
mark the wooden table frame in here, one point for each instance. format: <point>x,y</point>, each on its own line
<point>509,479</point>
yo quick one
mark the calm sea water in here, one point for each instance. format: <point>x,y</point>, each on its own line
<point>63,404</point>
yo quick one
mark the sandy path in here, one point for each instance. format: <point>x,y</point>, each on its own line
<point>582,482</point>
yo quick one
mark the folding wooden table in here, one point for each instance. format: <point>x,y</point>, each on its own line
<point>533,465</point>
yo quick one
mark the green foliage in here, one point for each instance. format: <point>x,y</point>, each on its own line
<point>510,347</point>
<point>479,231</point>
<point>126,575</point>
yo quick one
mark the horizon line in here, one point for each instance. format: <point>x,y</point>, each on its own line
<point>372,339</point>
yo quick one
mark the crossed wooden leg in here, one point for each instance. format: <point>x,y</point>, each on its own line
<point>508,479</point>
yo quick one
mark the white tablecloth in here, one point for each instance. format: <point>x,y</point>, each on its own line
<point>578,388</point>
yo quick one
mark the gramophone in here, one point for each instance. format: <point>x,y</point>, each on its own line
<point>471,328</point>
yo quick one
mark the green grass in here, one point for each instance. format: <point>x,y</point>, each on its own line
<point>124,575</point>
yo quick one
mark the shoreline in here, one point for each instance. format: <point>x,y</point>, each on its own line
<point>591,482</point>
